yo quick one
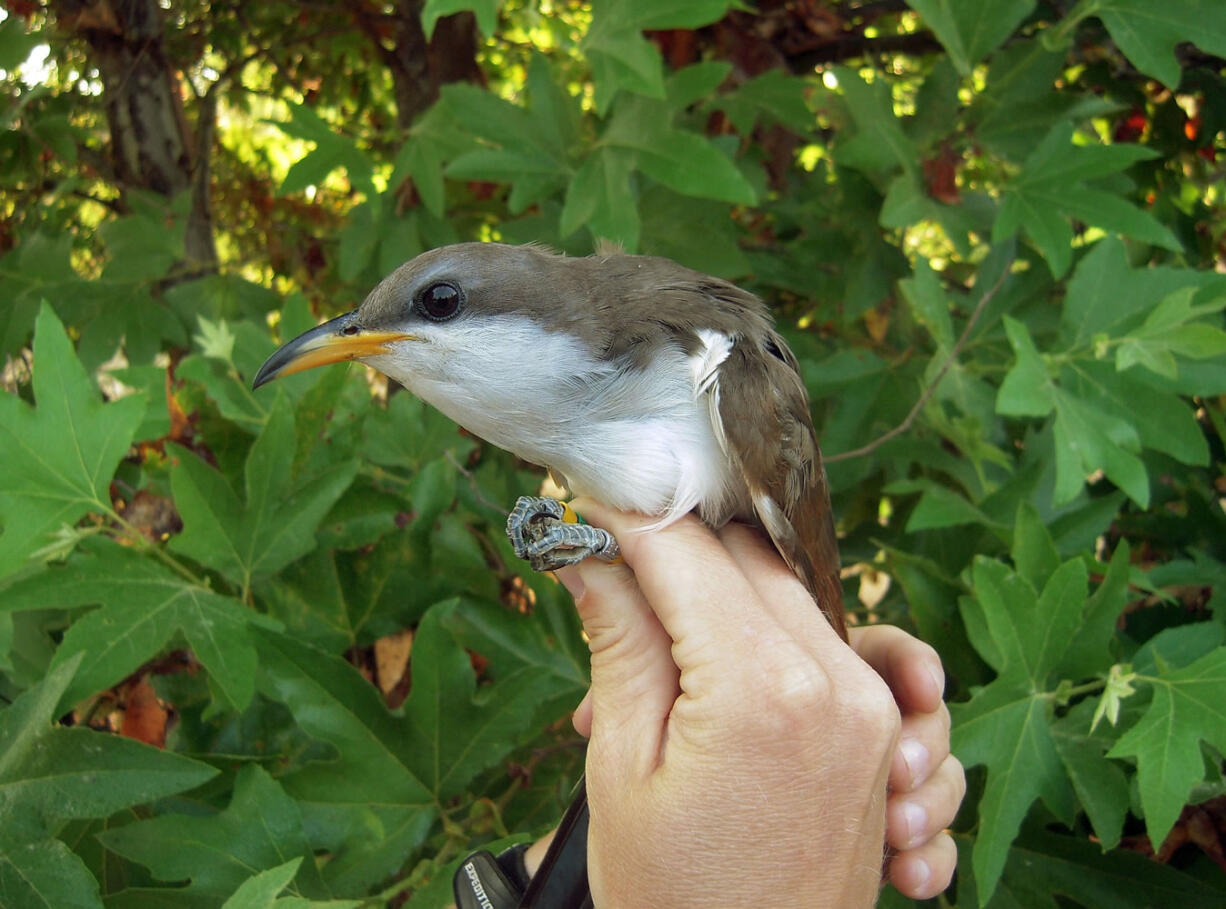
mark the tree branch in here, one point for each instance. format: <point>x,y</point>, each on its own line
<point>909,420</point>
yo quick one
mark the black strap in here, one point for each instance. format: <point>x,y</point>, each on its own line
<point>485,882</point>
<point>561,881</point>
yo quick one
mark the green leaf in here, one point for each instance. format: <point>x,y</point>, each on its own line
<point>685,162</point>
<point>662,15</point>
<point>928,303</point>
<point>332,150</point>
<point>509,144</point>
<point>1026,389</point>
<point>1050,188</point>
<point>1086,440</point>
<point>1100,783</point>
<point>1031,633</point>
<point>1171,330</point>
<point>939,506</point>
<point>260,890</point>
<point>1044,866</point>
<point>622,58</point>
<point>698,233</point>
<point>1007,728</point>
<point>16,42</point>
<point>59,456</point>
<point>879,143</point>
<point>1034,553</point>
<point>141,247</point>
<point>420,159</point>
<point>51,773</point>
<point>409,433</point>
<point>38,269</point>
<point>464,732</point>
<point>275,523</point>
<point>45,874</point>
<point>391,773</point>
<point>773,97</point>
<point>1157,419</point>
<point>143,605</point>
<point>259,830</point>
<point>1148,33</point>
<point>971,29</point>
<point>1189,706</point>
<point>697,81</point>
<point>601,196</point>
<point>486,12</point>
<point>1089,651</point>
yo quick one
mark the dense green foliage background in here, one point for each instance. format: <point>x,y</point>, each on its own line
<point>991,229</point>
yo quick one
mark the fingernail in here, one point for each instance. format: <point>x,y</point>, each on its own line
<point>920,873</point>
<point>938,679</point>
<point>917,821</point>
<point>915,756</point>
<point>569,576</point>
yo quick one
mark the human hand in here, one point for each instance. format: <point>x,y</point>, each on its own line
<point>926,781</point>
<point>739,750</point>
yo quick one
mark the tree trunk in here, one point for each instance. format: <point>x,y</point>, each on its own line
<point>151,143</point>
<point>420,67</point>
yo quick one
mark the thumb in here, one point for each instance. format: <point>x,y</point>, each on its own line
<point>634,678</point>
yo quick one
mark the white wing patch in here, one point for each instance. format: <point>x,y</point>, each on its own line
<point>704,365</point>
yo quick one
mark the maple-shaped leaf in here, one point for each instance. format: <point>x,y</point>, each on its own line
<point>143,605</point>
<point>1050,871</point>
<point>260,891</point>
<point>380,798</point>
<point>1007,725</point>
<point>1148,32</point>
<point>1104,418</point>
<point>273,524</point>
<point>879,143</point>
<point>971,29</point>
<point>261,829</point>
<point>1054,186</point>
<point>50,774</point>
<point>59,455</point>
<point>1100,784</point>
<point>1189,706</point>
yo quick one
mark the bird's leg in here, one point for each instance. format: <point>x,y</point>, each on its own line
<point>547,534</point>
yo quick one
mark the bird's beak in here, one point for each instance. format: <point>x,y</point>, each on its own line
<point>340,339</point>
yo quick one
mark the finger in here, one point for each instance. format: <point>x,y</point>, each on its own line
<point>910,667</point>
<point>581,719</point>
<point>923,744</point>
<point>634,678</point>
<point>777,586</point>
<point>700,596</point>
<point>535,853</point>
<point>916,817</point>
<point>925,871</point>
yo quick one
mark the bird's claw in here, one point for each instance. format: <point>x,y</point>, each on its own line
<point>541,535</point>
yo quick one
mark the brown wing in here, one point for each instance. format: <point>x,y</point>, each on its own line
<point>764,412</point>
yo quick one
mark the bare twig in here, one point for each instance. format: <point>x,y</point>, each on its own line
<point>449,455</point>
<point>936,381</point>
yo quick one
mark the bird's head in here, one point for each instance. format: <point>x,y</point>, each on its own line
<point>431,309</point>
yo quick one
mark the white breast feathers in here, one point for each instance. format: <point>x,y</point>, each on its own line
<point>646,440</point>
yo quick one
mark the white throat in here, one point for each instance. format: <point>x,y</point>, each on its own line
<point>646,440</point>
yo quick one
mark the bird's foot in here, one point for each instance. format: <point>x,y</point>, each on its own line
<point>546,534</point>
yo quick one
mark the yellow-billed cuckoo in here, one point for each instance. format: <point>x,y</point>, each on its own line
<point>643,384</point>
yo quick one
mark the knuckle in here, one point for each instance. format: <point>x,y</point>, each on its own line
<point>792,703</point>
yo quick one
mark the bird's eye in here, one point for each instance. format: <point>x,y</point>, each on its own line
<point>441,301</point>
